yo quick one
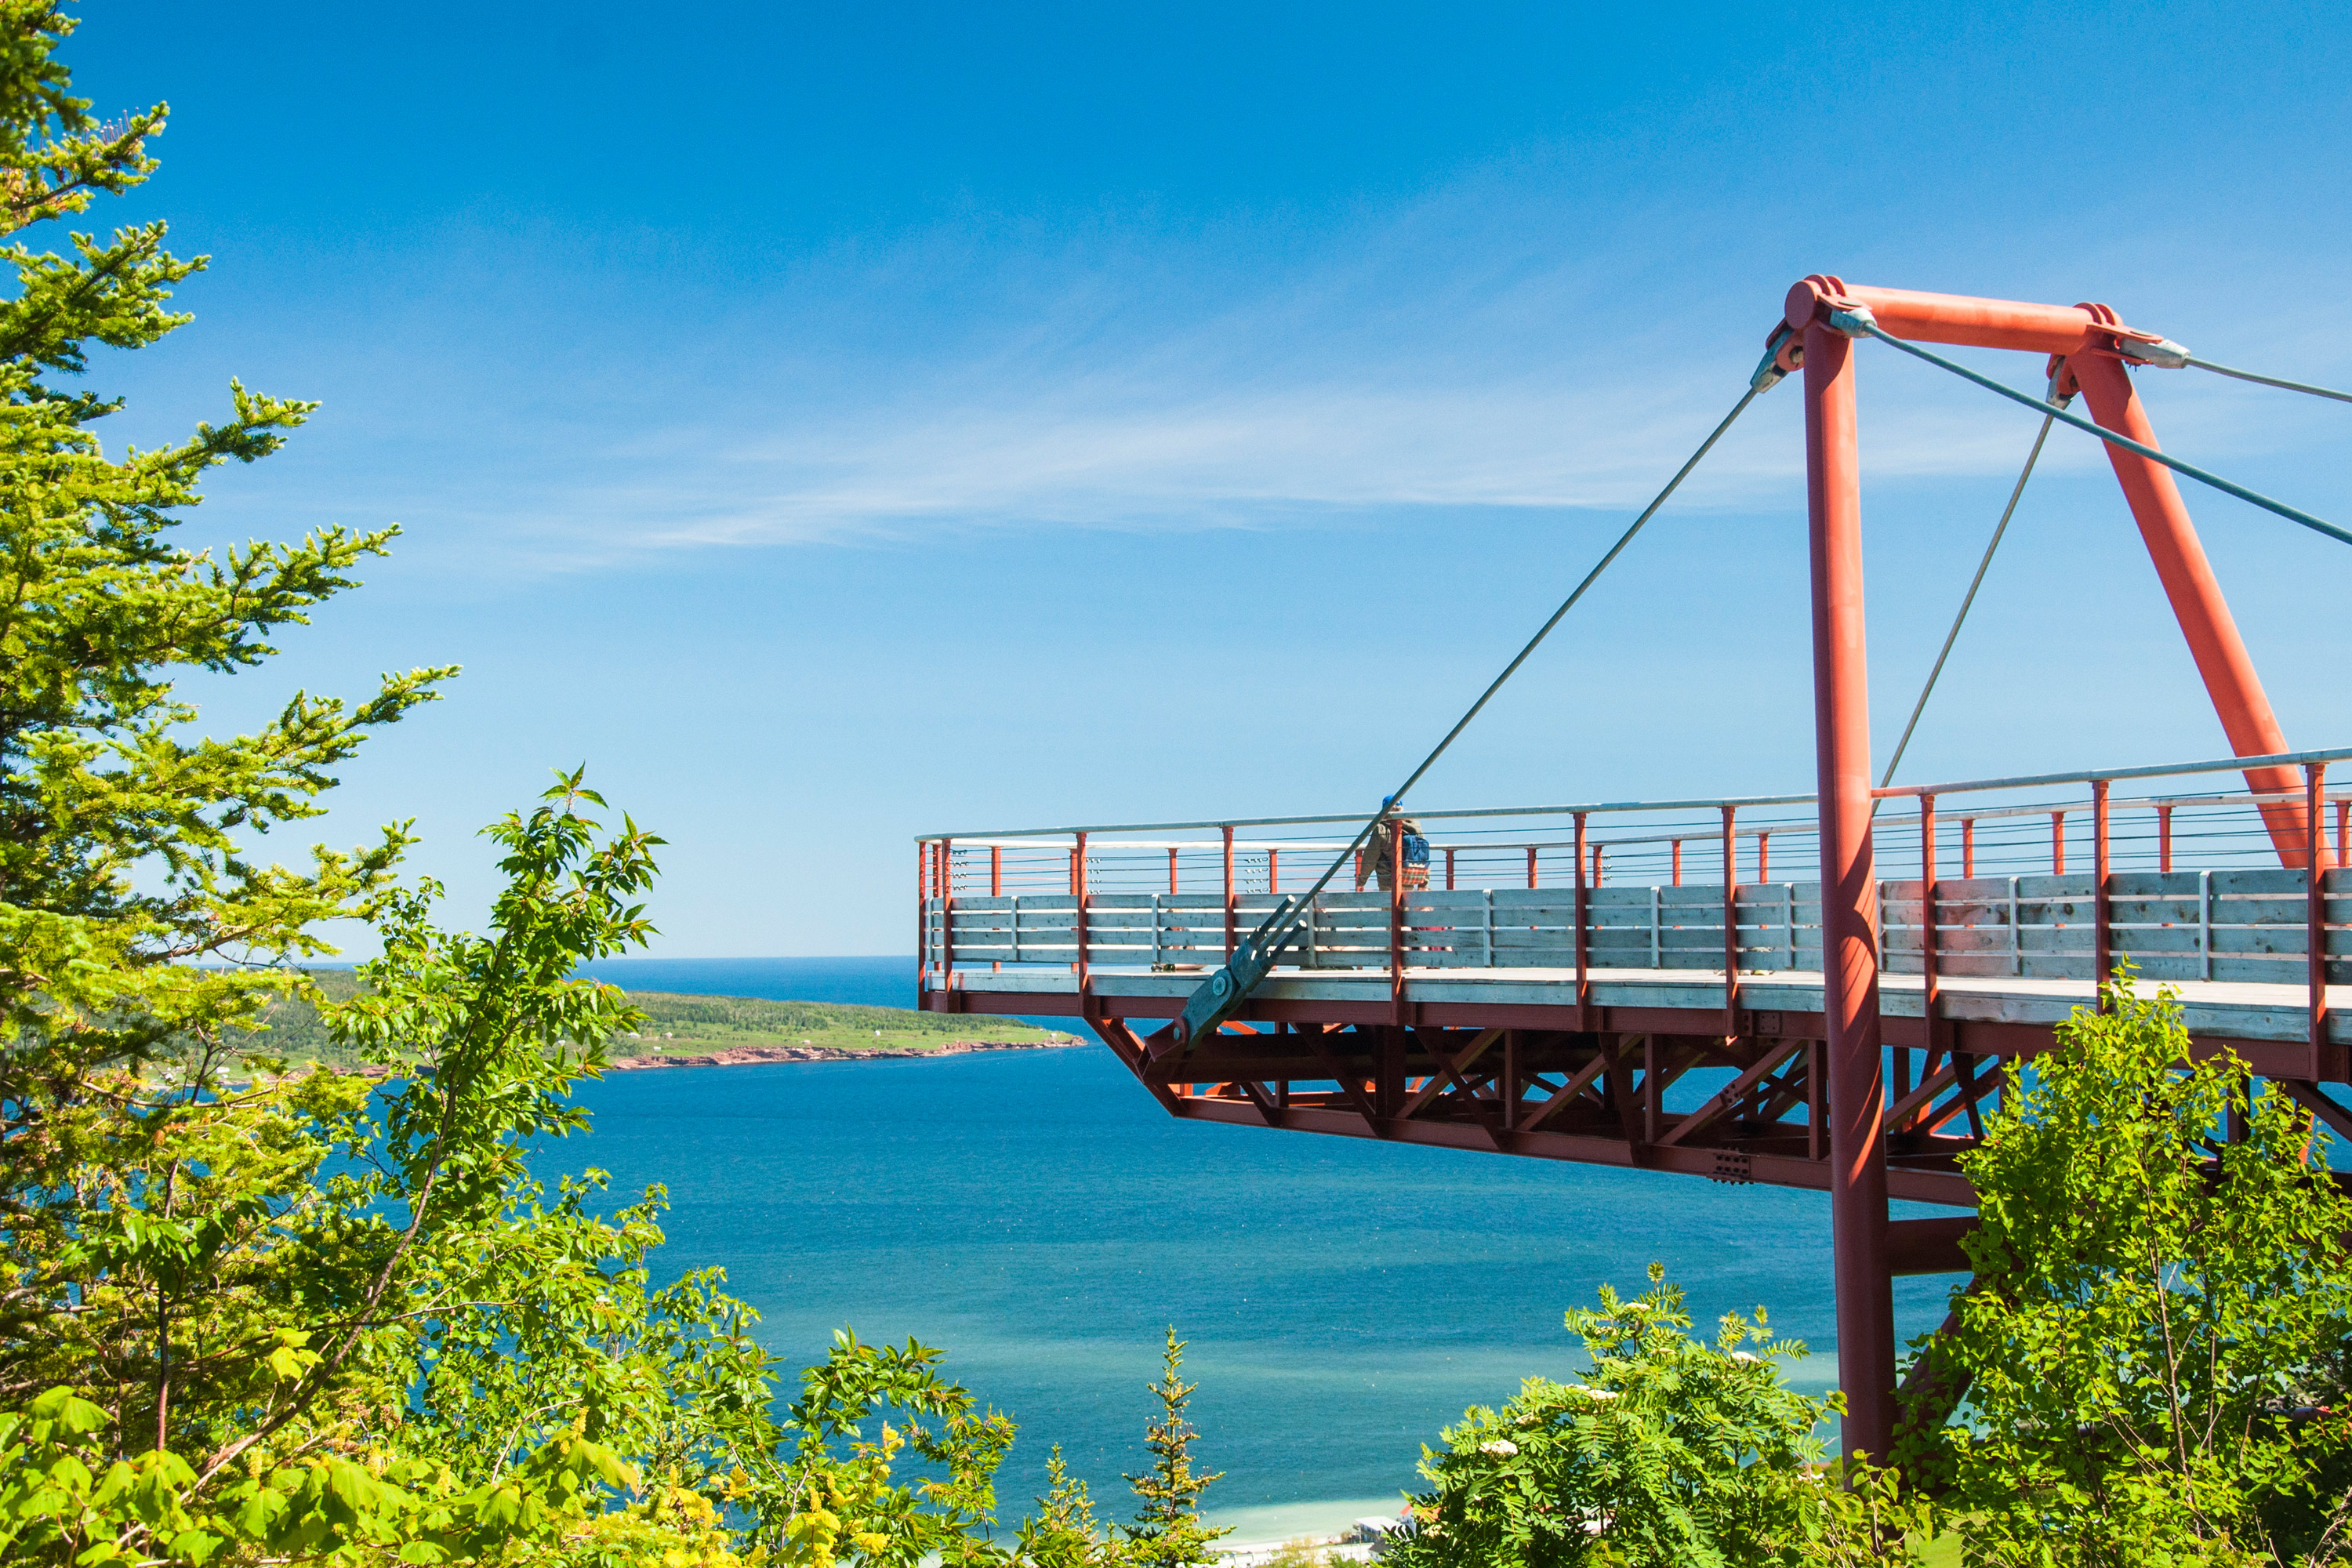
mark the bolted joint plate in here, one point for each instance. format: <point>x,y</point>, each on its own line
<point>1220,996</point>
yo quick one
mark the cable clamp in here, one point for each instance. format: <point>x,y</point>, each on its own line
<point>1854,320</point>
<point>1769,371</point>
<point>2163,354</point>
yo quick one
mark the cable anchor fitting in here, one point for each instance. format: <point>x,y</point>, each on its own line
<point>1771,369</point>
<point>1854,320</point>
<point>2163,354</point>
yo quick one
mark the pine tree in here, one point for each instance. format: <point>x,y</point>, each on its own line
<point>1168,1532</point>
<point>1062,1532</point>
<point>124,836</point>
<point>134,923</point>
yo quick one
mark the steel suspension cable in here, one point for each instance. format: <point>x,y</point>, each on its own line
<point>1568,603</point>
<point>1861,322</point>
<point>1390,805</point>
<point>1966,600</point>
<point>2267,380</point>
<point>1250,960</point>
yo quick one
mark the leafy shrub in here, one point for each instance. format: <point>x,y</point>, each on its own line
<point>1673,1451</point>
<point>2152,1301</point>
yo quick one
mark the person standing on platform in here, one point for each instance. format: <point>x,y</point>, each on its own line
<point>1378,862</point>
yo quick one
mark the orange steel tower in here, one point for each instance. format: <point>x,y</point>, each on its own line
<point>2088,345</point>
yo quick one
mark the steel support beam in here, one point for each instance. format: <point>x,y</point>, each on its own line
<point>2195,593</point>
<point>1866,1307</point>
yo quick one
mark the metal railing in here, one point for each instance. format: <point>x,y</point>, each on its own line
<point>2059,887</point>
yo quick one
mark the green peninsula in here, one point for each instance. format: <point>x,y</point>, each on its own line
<point>701,1030</point>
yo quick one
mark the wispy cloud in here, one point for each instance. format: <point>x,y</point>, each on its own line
<point>1457,352</point>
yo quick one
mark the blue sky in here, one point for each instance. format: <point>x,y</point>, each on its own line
<point>835,423</point>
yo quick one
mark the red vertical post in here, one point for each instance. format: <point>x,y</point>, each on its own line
<point>1078,924</point>
<point>1653,1108</point>
<point>1511,1079</point>
<point>2344,832</point>
<point>996,884</point>
<point>1866,1307</point>
<point>1531,862</point>
<point>1396,925</point>
<point>2164,838</point>
<point>1968,847</point>
<point>2196,594</point>
<point>2057,843</point>
<point>1229,892</point>
<point>1583,1005</point>
<point>1927,941</point>
<point>1678,862</point>
<point>1598,851</point>
<point>947,915</point>
<point>1730,923</point>
<point>1817,1106</point>
<point>1274,871</point>
<point>1172,869</point>
<point>1764,856</point>
<point>2103,931</point>
<point>1449,869</point>
<point>2315,924</point>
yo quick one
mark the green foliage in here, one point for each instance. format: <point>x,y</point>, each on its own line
<point>1063,1533</point>
<point>62,1500</point>
<point>2149,1297</point>
<point>334,1321</point>
<point>1674,1451</point>
<point>120,834</point>
<point>1168,1532</point>
<point>255,1316</point>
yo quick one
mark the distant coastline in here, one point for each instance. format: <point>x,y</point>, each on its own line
<point>753,1055</point>
<point>696,1029</point>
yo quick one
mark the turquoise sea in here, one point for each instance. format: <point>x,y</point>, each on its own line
<point>1037,1217</point>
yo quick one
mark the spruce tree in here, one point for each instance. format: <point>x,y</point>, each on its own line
<point>124,837</point>
<point>1168,1532</point>
<point>133,922</point>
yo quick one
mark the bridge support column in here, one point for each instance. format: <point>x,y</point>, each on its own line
<point>1865,1308</point>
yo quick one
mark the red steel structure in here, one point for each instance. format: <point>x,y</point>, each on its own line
<point>2086,348</point>
<point>1507,1018</point>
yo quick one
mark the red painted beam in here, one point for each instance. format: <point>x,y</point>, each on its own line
<point>2222,661</point>
<point>1954,318</point>
<point>1928,1246</point>
<point>1858,1191</point>
<point>1721,1165</point>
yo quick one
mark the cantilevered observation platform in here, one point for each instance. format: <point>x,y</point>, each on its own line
<point>1570,969</point>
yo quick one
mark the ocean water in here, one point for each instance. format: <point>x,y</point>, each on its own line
<point>1037,1217</point>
